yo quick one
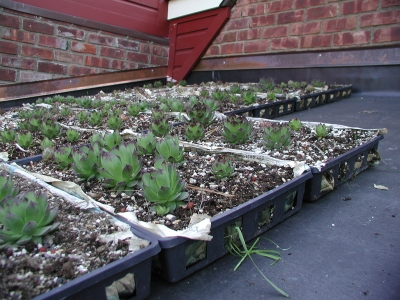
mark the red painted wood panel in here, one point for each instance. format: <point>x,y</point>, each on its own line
<point>190,37</point>
<point>148,16</point>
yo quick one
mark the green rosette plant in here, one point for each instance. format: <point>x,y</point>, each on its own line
<point>249,97</point>
<point>267,84</point>
<point>161,127</point>
<point>295,124</point>
<point>170,150</point>
<point>84,102</point>
<point>65,112</point>
<point>194,131</point>
<point>63,157</point>
<point>237,129</point>
<point>48,154</point>
<point>98,138</point>
<point>133,109</point>
<point>200,112</point>
<point>7,136</point>
<point>86,162</point>
<point>277,136</point>
<point>82,117</point>
<point>51,130</point>
<point>120,168</point>
<point>34,124</point>
<point>222,167</point>
<point>114,122</point>
<point>321,131</point>
<point>175,104</point>
<point>25,218</point>
<point>211,104</point>
<point>96,118</point>
<point>24,140</point>
<point>7,188</point>
<point>146,144</point>
<point>110,140</point>
<point>72,135</point>
<point>163,187</point>
<point>157,113</point>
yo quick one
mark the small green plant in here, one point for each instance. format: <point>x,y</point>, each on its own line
<point>249,97</point>
<point>295,124</point>
<point>194,131</point>
<point>86,162</point>
<point>34,125</point>
<point>182,83</point>
<point>321,131</point>
<point>175,104</point>
<point>147,86</point>
<point>97,103</point>
<point>66,112</point>
<point>237,129</point>
<point>7,188</point>
<point>59,98</point>
<point>48,100</point>
<point>200,112</point>
<point>133,109</point>
<point>318,83</point>
<point>46,143</point>
<point>294,85</point>
<point>84,102</point>
<point>233,98</point>
<point>211,104</point>
<point>7,136</point>
<point>24,140</point>
<point>222,167</point>
<point>146,144</point>
<point>277,90</point>
<point>283,85</point>
<point>25,114</point>
<point>48,154</point>
<point>122,101</point>
<point>218,95</point>
<point>95,119</point>
<point>161,127</point>
<point>235,89</point>
<point>271,97</point>
<point>169,149</point>
<point>157,113</point>
<point>51,130</point>
<point>277,136</point>
<point>72,135</point>
<point>39,101</point>
<point>26,217</point>
<point>204,93</point>
<point>267,84</point>
<point>158,84</point>
<point>111,140</point>
<point>63,157</point>
<point>97,138</point>
<point>163,187</point>
<point>170,84</point>
<point>69,99</point>
<point>114,122</point>
<point>120,168</point>
<point>82,117</point>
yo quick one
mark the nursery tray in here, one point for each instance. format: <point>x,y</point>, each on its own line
<point>180,257</point>
<point>341,169</point>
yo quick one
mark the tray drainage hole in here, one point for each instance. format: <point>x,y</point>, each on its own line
<point>317,100</point>
<point>309,101</point>
<point>343,170</point>
<point>359,162</point>
<point>323,98</point>
<point>373,156</point>
<point>266,215</point>
<point>327,181</point>
<point>272,111</point>
<point>123,287</point>
<point>195,252</point>
<point>289,107</point>
<point>290,201</point>
<point>263,113</point>
<point>231,236</point>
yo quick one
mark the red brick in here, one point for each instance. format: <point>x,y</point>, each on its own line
<point>8,75</point>
<point>18,35</point>
<point>99,62</point>
<point>253,10</point>
<point>291,17</point>
<point>29,76</point>
<point>9,21</point>
<point>32,51</point>
<point>71,33</point>
<point>316,41</point>
<point>388,34</point>
<point>8,47</point>
<point>154,49</point>
<point>158,60</point>
<point>328,11</point>
<point>249,34</point>
<point>305,28</point>
<point>123,65</point>
<point>357,6</point>
<point>138,57</point>
<point>53,42</point>
<point>342,24</point>
<point>235,12</point>
<point>285,43</point>
<point>256,46</point>
<point>351,38</point>
<point>238,24</point>
<point>18,62</point>
<point>272,32</point>
<point>68,57</point>
<point>380,18</point>
<point>44,28</point>
<point>50,67</point>
<point>308,3</point>
<point>262,21</point>
<point>226,37</point>
<point>79,71</point>
<point>279,6</point>
<point>99,39</point>
<point>389,3</point>
<point>213,51</point>
<point>112,52</point>
<point>231,48</point>
<point>128,45</point>
<point>18,13</point>
<point>83,47</point>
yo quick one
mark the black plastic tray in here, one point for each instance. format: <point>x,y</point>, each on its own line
<point>174,262</point>
<point>341,169</point>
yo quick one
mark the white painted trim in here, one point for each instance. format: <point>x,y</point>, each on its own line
<point>180,8</point>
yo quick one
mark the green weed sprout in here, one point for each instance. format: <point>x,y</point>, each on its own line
<point>95,118</point>
<point>114,122</point>
<point>120,168</point>
<point>249,97</point>
<point>321,131</point>
<point>222,167</point>
<point>194,131</point>
<point>170,150</point>
<point>63,157</point>
<point>86,162</point>
<point>25,218</point>
<point>163,187</point>
<point>146,144</point>
<point>7,136</point>
<point>24,140</point>
<point>237,129</point>
<point>276,137</point>
<point>160,127</point>
<point>295,124</point>
<point>51,130</point>
<point>7,188</point>
<point>111,140</point>
<point>72,135</point>
<point>82,117</point>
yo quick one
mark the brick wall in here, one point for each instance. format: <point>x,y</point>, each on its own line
<point>264,26</point>
<point>35,48</point>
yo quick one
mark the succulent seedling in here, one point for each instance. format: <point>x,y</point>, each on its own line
<point>169,149</point>
<point>222,167</point>
<point>295,124</point>
<point>146,144</point>
<point>237,129</point>
<point>321,131</point>
<point>194,131</point>
<point>277,136</point>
